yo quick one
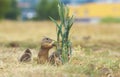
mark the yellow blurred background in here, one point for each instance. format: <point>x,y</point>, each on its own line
<point>95,10</point>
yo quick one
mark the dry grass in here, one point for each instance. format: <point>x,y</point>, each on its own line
<point>95,50</point>
<point>35,31</point>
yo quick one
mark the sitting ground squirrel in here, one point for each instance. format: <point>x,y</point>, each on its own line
<point>55,58</point>
<point>26,57</point>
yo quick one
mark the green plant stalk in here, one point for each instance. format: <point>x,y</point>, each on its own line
<point>63,30</point>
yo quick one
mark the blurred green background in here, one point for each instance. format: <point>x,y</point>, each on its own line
<point>106,11</point>
<point>28,9</point>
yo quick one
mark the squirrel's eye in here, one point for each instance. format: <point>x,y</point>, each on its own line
<point>47,39</point>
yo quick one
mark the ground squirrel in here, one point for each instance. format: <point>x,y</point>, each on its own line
<point>55,58</point>
<point>46,45</point>
<point>26,57</point>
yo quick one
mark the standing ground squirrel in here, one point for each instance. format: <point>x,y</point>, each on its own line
<point>46,45</point>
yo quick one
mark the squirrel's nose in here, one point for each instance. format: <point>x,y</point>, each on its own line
<point>54,43</point>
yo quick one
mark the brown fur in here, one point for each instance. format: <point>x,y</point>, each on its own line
<point>55,58</point>
<point>26,57</point>
<point>46,45</point>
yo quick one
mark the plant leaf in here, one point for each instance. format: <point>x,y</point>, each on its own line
<point>55,22</point>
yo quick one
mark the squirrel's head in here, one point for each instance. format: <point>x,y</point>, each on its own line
<point>47,43</point>
<point>28,51</point>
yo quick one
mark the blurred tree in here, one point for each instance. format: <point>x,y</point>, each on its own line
<point>13,11</point>
<point>4,7</point>
<point>47,8</point>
